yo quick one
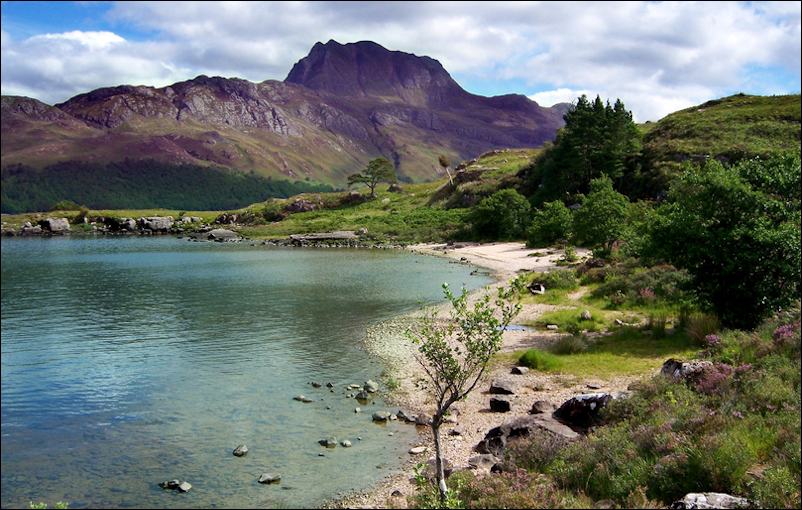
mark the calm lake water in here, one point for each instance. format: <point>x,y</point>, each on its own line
<point>128,361</point>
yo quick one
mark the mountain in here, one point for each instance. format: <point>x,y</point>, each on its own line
<point>339,107</point>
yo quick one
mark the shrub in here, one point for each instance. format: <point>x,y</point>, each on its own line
<point>569,345</point>
<point>560,279</point>
<point>549,224</point>
<point>640,285</point>
<point>569,254</point>
<point>539,360</point>
<point>518,489</point>
<point>502,215</point>
<point>777,488</point>
<point>657,324</point>
<point>700,325</point>
<point>535,452</point>
<point>600,221</point>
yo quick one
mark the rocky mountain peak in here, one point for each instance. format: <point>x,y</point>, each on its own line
<point>367,69</point>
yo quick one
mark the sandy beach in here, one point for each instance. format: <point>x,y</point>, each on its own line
<point>472,417</point>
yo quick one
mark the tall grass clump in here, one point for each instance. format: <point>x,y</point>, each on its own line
<point>539,360</point>
<point>700,325</point>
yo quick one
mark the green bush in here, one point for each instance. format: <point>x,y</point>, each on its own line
<point>502,215</point>
<point>549,224</point>
<point>643,286</point>
<point>564,279</point>
<point>600,221</point>
<point>539,360</point>
<point>569,345</point>
<point>777,488</point>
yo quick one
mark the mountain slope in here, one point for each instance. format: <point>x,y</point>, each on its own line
<point>339,107</point>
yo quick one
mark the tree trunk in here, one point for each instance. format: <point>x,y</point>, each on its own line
<point>440,471</point>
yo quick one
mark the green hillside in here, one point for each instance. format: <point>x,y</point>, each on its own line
<point>728,129</point>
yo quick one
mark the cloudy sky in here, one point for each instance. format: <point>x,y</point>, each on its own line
<point>657,56</point>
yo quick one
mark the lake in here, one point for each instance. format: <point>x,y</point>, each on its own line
<point>129,361</point>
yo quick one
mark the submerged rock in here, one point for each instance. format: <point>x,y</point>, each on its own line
<point>269,478</point>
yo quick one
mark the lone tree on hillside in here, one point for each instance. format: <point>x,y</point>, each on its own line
<point>378,170</point>
<point>444,164</point>
<point>455,351</point>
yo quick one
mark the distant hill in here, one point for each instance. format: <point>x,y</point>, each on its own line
<point>340,106</point>
<point>727,129</point>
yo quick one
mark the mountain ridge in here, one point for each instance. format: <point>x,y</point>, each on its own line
<point>340,106</point>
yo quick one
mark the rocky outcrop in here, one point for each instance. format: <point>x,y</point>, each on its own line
<point>683,370</point>
<point>55,225</point>
<point>711,500</point>
<point>156,223</point>
<point>582,411</point>
<point>495,441</point>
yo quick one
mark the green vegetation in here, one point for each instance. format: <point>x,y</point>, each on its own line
<point>378,170</point>
<point>737,231</point>
<point>729,129</point>
<point>601,219</point>
<point>455,353</point>
<point>138,184</point>
<point>503,215</point>
<point>539,360</point>
<point>597,140</point>
<point>550,223</point>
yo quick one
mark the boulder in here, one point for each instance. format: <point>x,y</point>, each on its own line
<point>395,188</point>
<point>502,387</point>
<point>329,442</point>
<point>537,288</point>
<point>170,484</point>
<point>362,395</point>
<point>30,230</point>
<point>585,315</point>
<point>184,487</point>
<point>315,384</point>
<point>300,205</point>
<point>582,411</point>
<point>404,416</point>
<point>302,398</point>
<point>55,225</point>
<point>423,420</point>
<point>371,386</point>
<point>500,405</point>
<point>552,327</point>
<point>682,370</point>
<point>430,471</point>
<point>542,407</point>
<point>711,500</point>
<point>519,370</point>
<point>156,223</point>
<point>240,451</point>
<point>496,439</point>
<point>381,416</point>
<point>483,462</point>
<point>222,235</point>
<point>269,478</point>
<point>345,443</point>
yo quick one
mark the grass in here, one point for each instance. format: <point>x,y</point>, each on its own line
<point>571,321</point>
<point>628,351</point>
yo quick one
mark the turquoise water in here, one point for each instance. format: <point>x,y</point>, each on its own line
<point>128,361</point>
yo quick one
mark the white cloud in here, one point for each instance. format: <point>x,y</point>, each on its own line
<point>656,56</point>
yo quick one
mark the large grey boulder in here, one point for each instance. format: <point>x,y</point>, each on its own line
<point>710,500</point>
<point>496,439</point>
<point>269,478</point>
<point>502,387</point>
<point>55,225</point>
<point>156,223</point>
<point>223,235</point>
<point>582,411</point>
<point>381,416</point>
<point>682,370</point>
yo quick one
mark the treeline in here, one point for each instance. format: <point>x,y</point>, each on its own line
<point>140,184</point>
<point>734,227</point>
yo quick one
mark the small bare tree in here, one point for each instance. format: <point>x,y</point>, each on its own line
<point>455,351</point>
<point>444,164</point>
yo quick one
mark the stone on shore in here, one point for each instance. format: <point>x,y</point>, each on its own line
<point>542,407</point>
<point>582,411</point>
<point>381,416</point>
<point>55,225</point>
<point>371,386</point>
<point>500,405</point>
<point>418,450</point>
<point>502,387</point>
<point>223,235</point>
<point>496,439</point>
<point>519,370</point>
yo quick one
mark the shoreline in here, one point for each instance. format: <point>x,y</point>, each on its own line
<point>471,417</point>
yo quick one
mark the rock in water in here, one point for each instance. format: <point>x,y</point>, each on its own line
<point>269,478</point>
<point>381,416</point>
<point>346,443</point>
<point>169,484</point>
<point>371,386</point>
<point>302,398</point>
<point>184,487</point>
<point>240,451</point>
<point>55,225</point>
<point>362,395</point>
<point>330,442</point>
<point>222,235</point>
